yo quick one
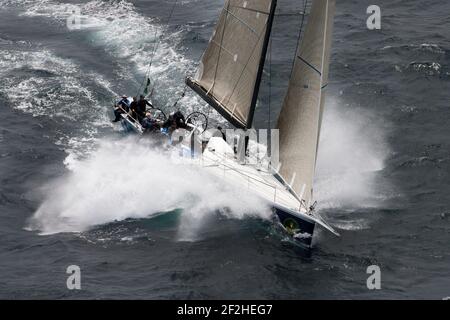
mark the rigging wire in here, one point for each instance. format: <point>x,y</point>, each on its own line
<point>189,72</point>
<point>305,4</point>
<point>270,81</point>
<point>155,49</point>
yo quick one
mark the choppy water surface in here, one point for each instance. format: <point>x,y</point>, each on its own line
<point>73,190</point>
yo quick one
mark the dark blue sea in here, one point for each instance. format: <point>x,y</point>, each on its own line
<point>74,190</point>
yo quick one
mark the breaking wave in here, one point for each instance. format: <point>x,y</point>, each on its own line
<point>125,179</point>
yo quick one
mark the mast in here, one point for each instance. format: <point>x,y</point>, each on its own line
<point>231,68</point>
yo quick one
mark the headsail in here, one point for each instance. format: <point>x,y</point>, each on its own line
<point>301,116</point>
<point>230,72</point>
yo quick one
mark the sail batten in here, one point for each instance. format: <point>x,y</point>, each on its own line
<point>302,112</point>
<point>241,21</point>
<point>253,10</point>
<point>310,65</point>
<point>231,68</point>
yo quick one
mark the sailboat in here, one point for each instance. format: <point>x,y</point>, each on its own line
<point>229,78</point>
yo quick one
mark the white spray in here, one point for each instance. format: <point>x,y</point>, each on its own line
<point>125,179</point>
<point>352,150</point>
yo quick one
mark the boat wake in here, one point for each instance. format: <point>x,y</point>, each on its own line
<point>37,82</point>
<point>106,25</point>
<point>40,82</point>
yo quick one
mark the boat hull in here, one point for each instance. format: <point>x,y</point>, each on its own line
<point>300,228</point>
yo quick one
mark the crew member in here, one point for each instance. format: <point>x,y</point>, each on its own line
<point>179,119</point>
<point>121,107</point>
<point>141,108</point>
<point>149,124</point>
<point>134,109</point>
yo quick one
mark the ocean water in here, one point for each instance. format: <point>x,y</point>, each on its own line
<point>75,191</point>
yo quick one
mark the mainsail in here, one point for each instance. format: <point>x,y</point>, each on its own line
<point>301,115</point>
<point>230,72</point>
